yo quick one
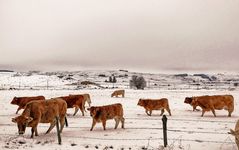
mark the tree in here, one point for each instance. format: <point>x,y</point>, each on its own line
<point>138,82</point>
<point>114,79</point>
<point>110,79</point>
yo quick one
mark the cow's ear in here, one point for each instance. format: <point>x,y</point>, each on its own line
<point>231,132</point>
<point>14,120</point>
<point>88,109</point>
<point>29,119</point>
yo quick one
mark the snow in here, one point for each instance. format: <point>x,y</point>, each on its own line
<point>186,129</point>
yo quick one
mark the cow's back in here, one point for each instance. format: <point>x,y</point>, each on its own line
<point>46,110</point>
<point>111,111</point>
<point>156,104</point>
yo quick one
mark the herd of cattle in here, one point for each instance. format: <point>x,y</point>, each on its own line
<point>38,110</point>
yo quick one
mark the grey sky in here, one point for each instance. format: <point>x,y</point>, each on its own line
<point>128,34</point>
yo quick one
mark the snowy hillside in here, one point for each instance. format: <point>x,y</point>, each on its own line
<point>99,79</point>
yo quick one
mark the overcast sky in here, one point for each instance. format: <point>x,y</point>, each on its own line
<point>146,35</point>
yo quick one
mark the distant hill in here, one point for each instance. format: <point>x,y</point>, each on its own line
<point>6,71</point>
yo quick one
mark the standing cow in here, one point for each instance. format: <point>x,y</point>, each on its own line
<point>154,104</point>
<point>75,101</point>
<point>22,101</point>
<point>41,112</point>
<point>103,113</point>
<point>210,103</point>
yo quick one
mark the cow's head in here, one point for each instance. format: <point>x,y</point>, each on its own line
<point>188,100</point>
<point>141,102</point>
<point>14,100</point>
<point>94,111</point>
<point>194,101</point>
<point>22,123</point>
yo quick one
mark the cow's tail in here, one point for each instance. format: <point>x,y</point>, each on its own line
<point>66,122</point>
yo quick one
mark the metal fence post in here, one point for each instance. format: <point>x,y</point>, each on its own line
<point>164,119</point>
<point>58,131</point>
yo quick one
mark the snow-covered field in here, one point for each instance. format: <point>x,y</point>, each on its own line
<point>186,129</point>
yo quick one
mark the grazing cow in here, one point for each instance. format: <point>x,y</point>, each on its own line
<point>75,101</point>
<point>154,104</point>
<point>22,101</point>
<point>188,100</point>
<point>210,103</point>
<point>117,93</point>
<point>103,113</point>
<point>236,133</point>
<point>41,112</point>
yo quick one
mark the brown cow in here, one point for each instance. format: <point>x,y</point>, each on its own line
<point>154,104</point>
<point>75,101</point>
<point>117,93</point>
<point>236,133</point>
<point>22,101</point>
<point>210,103</point>
<point>188,100</point>
<point>41,112</point>
<point>103,113</point>
<point>86,98</point>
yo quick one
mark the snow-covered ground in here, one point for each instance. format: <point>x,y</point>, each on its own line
<point>186,129</point>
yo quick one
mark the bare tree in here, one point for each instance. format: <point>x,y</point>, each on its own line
<point>138,82</point>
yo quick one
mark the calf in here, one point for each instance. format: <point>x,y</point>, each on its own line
<point>103,113</point>
<point>210,103</point>
<point>154,104</point>
<point>22,101</point>
<point>41,112</point>
<point>117,93</point>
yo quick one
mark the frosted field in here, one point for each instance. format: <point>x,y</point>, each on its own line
<point>186,129</point>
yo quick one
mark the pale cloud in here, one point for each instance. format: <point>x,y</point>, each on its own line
<point>137,34</point>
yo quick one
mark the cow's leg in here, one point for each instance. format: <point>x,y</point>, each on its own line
<point>150,112</point>
<point>93,124</point>
<point>62,123</point>
<point>116,122</point>
<point>147,112</point>
<point>18,109</point>
<point>82,110</point>
<point>230,112</point>
<point>36,132</point>
<point>203,112</point>
<point>213,111</point>
<point>162,111</point>
<point>51,126</point>
<point>104,124</point>
<point>32,132</point>
<point>169,111</point>
<point>122,122</point>
<point>76,110</point>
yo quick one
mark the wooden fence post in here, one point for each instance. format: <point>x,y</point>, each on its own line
<point>164,119</point>
<point>58,131</point>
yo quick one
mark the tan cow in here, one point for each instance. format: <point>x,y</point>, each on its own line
<point>75,101</point>
<point>22,101</point>
<point>236,133</point>
<point>210,103</point>
<point>117,93</point>
<point>41,112</point>
<point>103,113</point>
<point>154,104</point>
